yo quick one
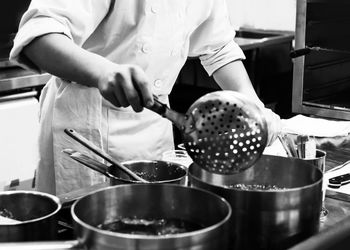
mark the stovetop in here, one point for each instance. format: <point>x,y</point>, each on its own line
<point>65,230</point>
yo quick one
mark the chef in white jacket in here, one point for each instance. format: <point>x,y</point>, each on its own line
<point>108,58</point>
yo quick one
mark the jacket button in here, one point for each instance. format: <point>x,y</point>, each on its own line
<point>158,83</point>
<point>146,48</point>
<point>154,9</point>
<point>174,52</point>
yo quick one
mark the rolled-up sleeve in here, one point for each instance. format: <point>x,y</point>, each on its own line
<point>213,41</point>
<point>76,19</point>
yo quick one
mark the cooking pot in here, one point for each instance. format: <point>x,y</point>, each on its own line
<point>155,171</point>
<point>275,204</point>
<point>35,213</point>
<point>145,201</point>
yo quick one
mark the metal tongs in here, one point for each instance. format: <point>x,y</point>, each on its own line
<point>82,140</point>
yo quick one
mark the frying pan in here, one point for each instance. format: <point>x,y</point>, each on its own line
<point>144,201</point>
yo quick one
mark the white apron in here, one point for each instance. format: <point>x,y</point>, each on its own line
<point>157,35</point>
<point>123,133</point>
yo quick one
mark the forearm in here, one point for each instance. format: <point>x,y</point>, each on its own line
<point>233,76</point>
<point>120,84</point>
<point>59,56</point>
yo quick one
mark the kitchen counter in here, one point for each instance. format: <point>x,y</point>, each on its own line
<point>14,78</point>
<point>249,39</point>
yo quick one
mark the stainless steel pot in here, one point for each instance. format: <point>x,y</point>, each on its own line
<point>35,212</point>
<point>273,218</point>
<point>155,171</point>
<point>145,201</point>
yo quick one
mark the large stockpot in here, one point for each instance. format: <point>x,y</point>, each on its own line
<point>36,214</point>
<point>274,218</point>
<point>145,201</point>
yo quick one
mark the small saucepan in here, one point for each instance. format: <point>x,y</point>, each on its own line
<point>144,217</point>
<point>31,216</point>
<point>153,171</point>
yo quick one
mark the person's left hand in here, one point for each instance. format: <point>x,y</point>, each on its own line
<point>274,125</point>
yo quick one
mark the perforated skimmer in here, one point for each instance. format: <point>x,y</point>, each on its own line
<point>223,131</point>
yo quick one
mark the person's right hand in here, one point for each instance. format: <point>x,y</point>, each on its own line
<point>124,85</point>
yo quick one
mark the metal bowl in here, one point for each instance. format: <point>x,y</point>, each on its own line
<point>159,172</point>
<point>268,218</point>
<point>35,212</point>
<point>152,201</point>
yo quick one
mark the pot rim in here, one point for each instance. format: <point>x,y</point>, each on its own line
<point>153,237</point>
<point>284,190</point>
<point>155,182</point>
<point>51,197</point>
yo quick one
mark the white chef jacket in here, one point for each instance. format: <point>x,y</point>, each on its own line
<point>157,35</point>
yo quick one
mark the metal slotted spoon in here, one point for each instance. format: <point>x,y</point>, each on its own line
<point>223,131</point>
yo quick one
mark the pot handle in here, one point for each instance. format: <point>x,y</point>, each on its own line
<point>88,161</point>
<point>162,109</point>
<point>85,142</point>
<point>42,245</point>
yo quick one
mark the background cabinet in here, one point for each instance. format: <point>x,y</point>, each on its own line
<point>321,77</point>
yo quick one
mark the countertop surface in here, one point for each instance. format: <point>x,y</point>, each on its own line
<point>13,78</point>
<point>249,39</point>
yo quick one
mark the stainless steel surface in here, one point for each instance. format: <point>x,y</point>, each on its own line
<point>337,204</point>
<point>249,39</point>
<point>159,172</point>
<point>89,162</point>
<point>268,219</point>
<point>82,140</point>
<point>335,237</point>
<point>43,245</point>
<point>36,213</point>
<point>223,131</point>
<point>144,201</point>
<point>338,211</point>
<point>22,95</point>
<point>152,201</point>
<point>18,78</point>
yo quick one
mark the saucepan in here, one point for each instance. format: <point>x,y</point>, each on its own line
<point>138,171</point>
<point>275,204</point>
<point>145,216</point>
<point>29,215</point>
<point>153,171</point>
